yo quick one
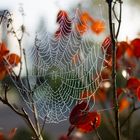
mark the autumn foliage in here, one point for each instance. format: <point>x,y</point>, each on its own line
<point>84,120</point>
<point>10,135</point>
<point>7,60</point>
<point>127,57</point>
<point>82,117</point>
<point>88,22</point>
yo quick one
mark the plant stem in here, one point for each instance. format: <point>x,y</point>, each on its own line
<point>120,17</point>
<point>97,134</point>
<point>115,100</point>
<point>70,130</point>
<point>130,114</point>
<point>35,113</point>
<point>23,114</point>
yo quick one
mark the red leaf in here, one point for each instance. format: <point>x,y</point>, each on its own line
<point>78,114</point>
<point>86,94</point>
<point>65,24</point>
<point>138,93</point>
<point>121,49</point>
<point>2,136</point>
<point>64,137</point>
<point>129,52</point>
<point>61,14</point>
<point>132,84</point>
<point>12,133</point>
<point>106,45</point>
<point>119,91</point>
<point>136,47</point>
<point>94,121</point>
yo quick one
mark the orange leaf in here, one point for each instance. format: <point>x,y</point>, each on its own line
<point>81,28</point>
<point>85,17</point>
<point>3,73</point>
<point>123,104</point>
<point>13,59</point>
<point>3,50</point>
<point>98,27</point>
<point>106,73</point>
<point>101,94</point>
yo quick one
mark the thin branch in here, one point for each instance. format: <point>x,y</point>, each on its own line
<point>27,73</point>
<point>70,130</point>
<point>128,117</point>
<point>43,125</point>
<point>23,114</point>
<point>115,100</point>
<point>114,12</point>
<point>11,70</point>
<point>19,40</point>
<point>5,15</point>
<point>119,20</point>
<point>30,123</point>
<point>31,98</point>
<point>97,134</point>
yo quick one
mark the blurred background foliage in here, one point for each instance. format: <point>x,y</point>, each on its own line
<point>53,131</point>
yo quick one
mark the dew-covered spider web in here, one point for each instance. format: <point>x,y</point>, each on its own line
<point>61,68</point>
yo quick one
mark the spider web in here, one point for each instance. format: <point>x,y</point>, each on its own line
<point>62,68</point>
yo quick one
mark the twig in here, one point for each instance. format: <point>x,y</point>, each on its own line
<point>115,100</point>
<point>128,117</point>
<point>5,14</point>
<point>30,122</point>
<point>113,10</point>
<point>31,98</point>
<point>119,19</point>
<point>26,68</point>
<point>23,114</point>
<point>43,125</point>
<point>70,130</point>
<point>97,134</point>
<point>19,40</point>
